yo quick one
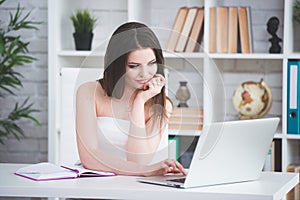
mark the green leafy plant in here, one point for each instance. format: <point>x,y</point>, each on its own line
<point>13,52</point>
<point>83,21</point>
<point>296,12</point>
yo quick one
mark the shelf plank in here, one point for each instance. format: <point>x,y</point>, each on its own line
<point>295,55</point>
<point>184,132</point>
<point>184,55</point>
<point>246,56</point>
<point>293,136</point>
<point>278,136</point>
<point>73,53</point>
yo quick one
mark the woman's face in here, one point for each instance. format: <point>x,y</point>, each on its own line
<point>141,67</point>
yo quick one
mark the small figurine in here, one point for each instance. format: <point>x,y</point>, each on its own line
<point>272,27</point>
<point>183,94</point>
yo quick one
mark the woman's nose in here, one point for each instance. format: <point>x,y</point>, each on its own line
<point>143,71</point>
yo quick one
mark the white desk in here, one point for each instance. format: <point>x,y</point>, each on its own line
<point>270,186</point>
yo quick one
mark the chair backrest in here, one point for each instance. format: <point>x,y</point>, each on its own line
<point>71,79</point>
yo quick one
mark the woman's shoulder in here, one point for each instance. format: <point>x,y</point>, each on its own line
<point>87,88</point>
<point>90,84</point>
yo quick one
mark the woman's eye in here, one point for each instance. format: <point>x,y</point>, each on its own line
<point>133,66</point>
<point>152,63</point>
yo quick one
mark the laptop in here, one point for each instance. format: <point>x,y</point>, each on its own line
<point>226,152</point>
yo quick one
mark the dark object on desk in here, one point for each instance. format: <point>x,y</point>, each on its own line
<point>272,27</point>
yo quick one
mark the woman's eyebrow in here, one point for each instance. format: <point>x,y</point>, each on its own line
<point>152,61</point>
<point>135,63</point>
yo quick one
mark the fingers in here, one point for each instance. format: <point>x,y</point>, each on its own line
<point>165,167</point>
<point>152,87</point>
<point>173,166</point>
<point>157,81</point>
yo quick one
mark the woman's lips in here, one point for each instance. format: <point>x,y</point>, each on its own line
<point>143,81</point>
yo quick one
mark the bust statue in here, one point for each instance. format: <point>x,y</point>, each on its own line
<point>272,27</point>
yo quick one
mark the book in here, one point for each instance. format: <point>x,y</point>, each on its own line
<point>222,29</point>
<point>295,192</point>
<point>293,95</point>
<point>268,166</point>
<point>186,119</point>
<point>187,111</point>
<point>173,147</point>
<point>297,187</point>
<point>177,27</point>
<point>185,126</point>
<point>245,29</point>
<point>212,29</point>
<point>193,43</point>
<point>271,162</point>
<point>47,171</point>
<point>291,194</point>
<point>232,29</point>
<point>186,29</point>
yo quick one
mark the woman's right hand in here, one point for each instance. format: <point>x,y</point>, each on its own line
<point>165,167</point>
<point>152,88</point>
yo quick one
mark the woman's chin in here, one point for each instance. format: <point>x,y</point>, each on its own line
<point>140,88</point>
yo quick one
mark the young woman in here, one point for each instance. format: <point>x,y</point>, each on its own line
<point>121,119</point>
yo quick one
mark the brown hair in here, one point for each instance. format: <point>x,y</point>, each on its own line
<point>127,38</point>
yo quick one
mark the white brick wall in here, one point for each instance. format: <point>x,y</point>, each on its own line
<point>33,147</point>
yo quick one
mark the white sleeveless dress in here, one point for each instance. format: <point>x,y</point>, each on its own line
<point>113,137</point>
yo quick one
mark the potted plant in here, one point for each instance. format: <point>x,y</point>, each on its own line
<point>296,12</point>
<point>84,24</point>
<point>13,53</point>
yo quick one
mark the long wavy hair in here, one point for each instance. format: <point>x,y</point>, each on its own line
<point>125,39</point>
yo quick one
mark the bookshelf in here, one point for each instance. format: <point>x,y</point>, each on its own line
<point>206,72</point>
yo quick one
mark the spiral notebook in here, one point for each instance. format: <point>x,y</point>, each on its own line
<point>47,171</point>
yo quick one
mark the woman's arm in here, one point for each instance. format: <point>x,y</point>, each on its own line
<point>88,147</point>
<point>144,138</point>
<point>97,160</point>
<point>87,139</point>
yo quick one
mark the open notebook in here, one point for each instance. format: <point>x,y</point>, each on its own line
<point>47,171</point>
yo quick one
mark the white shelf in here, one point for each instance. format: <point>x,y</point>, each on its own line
<point>293,137</point>
<point>73,53</point>
<point>294,56</point>
<point>184,55</point>
<point>278,136</point>
<point>246,56</point>
<point>184,132</point>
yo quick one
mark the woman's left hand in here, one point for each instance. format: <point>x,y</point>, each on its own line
<point>152,87</point>
<point>165,167</point>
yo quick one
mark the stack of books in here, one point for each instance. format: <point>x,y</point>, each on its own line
<point>186,119</point>
<point>187,31</point>
<point>230,30</point>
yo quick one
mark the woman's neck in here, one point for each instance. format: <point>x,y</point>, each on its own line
<point>129,95</point>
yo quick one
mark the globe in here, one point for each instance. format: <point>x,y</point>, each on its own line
<point>252,99</point>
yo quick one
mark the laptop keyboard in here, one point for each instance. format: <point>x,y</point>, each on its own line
<point>179,180</point>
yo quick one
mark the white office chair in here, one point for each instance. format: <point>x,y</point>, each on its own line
<point>71,79</point>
